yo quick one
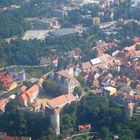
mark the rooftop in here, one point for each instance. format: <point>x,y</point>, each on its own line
<point>64,73</point>
<point>95,61</point>
<point>61,101</point>
<point>86,65</point>
<point>29,93</point>
<point>63,32</point>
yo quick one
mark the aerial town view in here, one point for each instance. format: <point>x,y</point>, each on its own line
<point>69,69</point>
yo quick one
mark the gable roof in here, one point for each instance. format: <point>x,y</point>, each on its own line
<point>61,101</point>
<point>7,79</point>
<point>29,93</point>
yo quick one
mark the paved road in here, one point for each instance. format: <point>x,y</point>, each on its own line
<point>24,66</point>
<point>80,134</point>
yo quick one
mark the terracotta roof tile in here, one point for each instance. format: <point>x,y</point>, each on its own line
<point>61,100</point>
<point>29,93</point>
<point>23,89</point>
<point>3,102</point>
<point>86,65</point>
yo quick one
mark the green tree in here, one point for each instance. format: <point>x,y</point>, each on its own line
<point>78,91</point>
<point>81,80</point>
<point>51,88</point>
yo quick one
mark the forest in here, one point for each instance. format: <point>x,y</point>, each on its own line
<point>105,116</point>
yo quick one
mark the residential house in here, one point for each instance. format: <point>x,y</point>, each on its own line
<point>103,46</point>
<point>74,55</point>
<point>94,64</point>
<point>84,128</point>
<point>123,81</point>
<point>54,60</point>
<point>17,74</point>
<point>86,67</point>
<point>30,95</point>
<point>115,64</point>
<point>7,82</point>
<point>115,53</point>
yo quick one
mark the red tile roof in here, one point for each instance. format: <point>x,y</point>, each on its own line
<point>130,105</point>
<point>61,100</point>
<point>29,93</point>
<point>7,79</point>
<point>3,102</point>
<point>23,89</point>
<point>2,74</point>
<point>5,137</point>
<point>137,97</point>
<point>85,127</point>
<point>86,65</point>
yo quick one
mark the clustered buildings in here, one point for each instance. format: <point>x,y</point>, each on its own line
<point>117,74</point>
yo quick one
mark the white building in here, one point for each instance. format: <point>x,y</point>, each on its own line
<point>65,79</point>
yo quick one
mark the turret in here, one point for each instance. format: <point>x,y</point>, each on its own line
<point>55,120</point>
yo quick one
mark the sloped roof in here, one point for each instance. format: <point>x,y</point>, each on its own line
<point>61,101</point>
<point>3,102</point>
<point>95,61</point>
<point>64,73</point>
<point>105,57</point>
<point>130,48</point>
<point>32,90</point>
<point>86,65</point>
<point>29,93</point>
<point>23,88</point>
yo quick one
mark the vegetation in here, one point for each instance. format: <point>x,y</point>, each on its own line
<point>78,91</point>
<point>51,88</point>
<point>137,47</point>
<point>12,23</point>
<point>15,122</point>
<point>20,52</point>
<point>104,116</point>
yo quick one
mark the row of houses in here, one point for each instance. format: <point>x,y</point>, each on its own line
<point>29,96</point>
